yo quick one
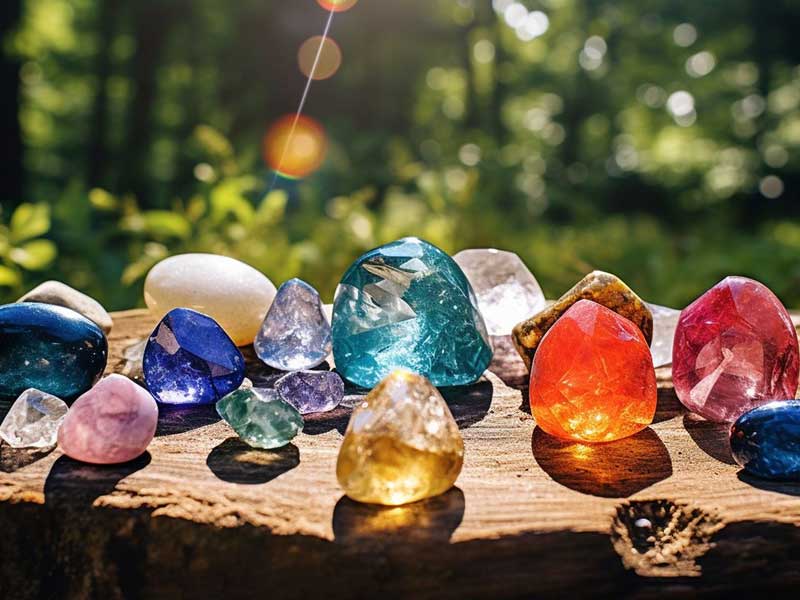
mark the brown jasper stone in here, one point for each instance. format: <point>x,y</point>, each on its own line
<point>598,286</point>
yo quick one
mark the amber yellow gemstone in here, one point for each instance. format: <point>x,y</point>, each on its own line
<point>402,444</point>
<point>233,293</point>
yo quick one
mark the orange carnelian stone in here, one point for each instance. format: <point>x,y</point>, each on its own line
<point>592,378</point>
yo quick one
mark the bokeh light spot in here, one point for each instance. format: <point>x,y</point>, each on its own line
<point>771,187</point>
<point>337,5</point>
<point>295,150</point>
<point>330,57</point>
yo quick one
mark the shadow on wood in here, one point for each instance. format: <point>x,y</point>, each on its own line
<point>711,438</point>
<point>613,470</point>
<point>75,483</point>
<point>12,459</point>
<point>469,403</point>
<point>781,487</point>
<point>173,420</point>
<point>236,462</point>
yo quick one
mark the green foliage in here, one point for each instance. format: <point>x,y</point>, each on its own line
<point>21,248</point>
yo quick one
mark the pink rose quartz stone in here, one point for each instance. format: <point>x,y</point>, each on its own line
<point>112,423</point>
<point>735,349</point>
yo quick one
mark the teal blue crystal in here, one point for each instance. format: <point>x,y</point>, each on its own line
<point>260,417</point>
<point>408,305</point>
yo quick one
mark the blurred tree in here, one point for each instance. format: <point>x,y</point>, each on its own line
<point>11,193</point>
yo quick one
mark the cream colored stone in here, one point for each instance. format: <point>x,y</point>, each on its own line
<point>231,292</point>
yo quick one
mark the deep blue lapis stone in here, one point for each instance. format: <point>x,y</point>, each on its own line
<point>189,359</point>
<point>766,441</point>
<point>50,348</point>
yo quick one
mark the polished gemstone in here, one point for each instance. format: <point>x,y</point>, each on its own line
<point>665,320</point>
<point>401,445</point>
<point>231,292</point>
<point>261,417</point>
<point>602,288</point>
<point>311,391</point>
<point>49,348</point>
<point>735,349</point>
<point>296,333</point>
<point>60,294</point>
<point>112,423</point>
<point>507,292</point>
<point>592,378</point>
<point>408,305</point>
<point>189,359</point>
<point>766,441</point>
<point>33,420</point>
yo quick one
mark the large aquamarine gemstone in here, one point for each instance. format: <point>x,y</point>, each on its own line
<point>33,420</point>
<point>408,305</point>
<point>735,349</point>
<point>189,359</point>
<point>296,333</point>
<point>50,348</point>
<point>766,441</point>
<point>260,417</point>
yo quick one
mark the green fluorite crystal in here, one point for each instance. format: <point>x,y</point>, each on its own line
<point>260,417</point>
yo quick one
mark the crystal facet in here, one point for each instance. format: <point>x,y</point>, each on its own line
<point>602,288</point>
<point>507,291</point>
<point>766,441</point>
<point>296,333</point>
<point>231,292</point>
<point>592,378</point>
<point>33,420</point>
<point>408,305</point>
<point>112,423</point>
<point>60,294</point>
<point>49,348</point>
<point>189,359</point>
<point>311,391</point>
<point>665,320</point>
<point>401,445</point>
<point>260,417</point>
<point>735,349</point>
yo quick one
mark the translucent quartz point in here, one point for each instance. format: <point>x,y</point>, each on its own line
<point>33,420</point>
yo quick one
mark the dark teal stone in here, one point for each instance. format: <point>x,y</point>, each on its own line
<point>50,348</point>
<point>766,441</point>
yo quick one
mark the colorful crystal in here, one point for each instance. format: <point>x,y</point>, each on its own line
<point>401,445</point>
<point>33,420</point>
<point>735,349</point>
<point>507,292</point>
<point>408,305</point>
<point>311,391</point>
<point>112,423</point>
<point>592,378</point>
<point>602,288</point>
<point>49,348</point>
<point>231,292</point>
<point>296,333</point>
<point>189,359</point>
<point>766,441</point>
<point>665,320</point>
<point>261,417</point>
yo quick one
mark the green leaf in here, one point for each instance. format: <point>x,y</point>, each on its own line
<point>273,207</point>
<point>102,200</point>
<point>9,277</point>
<point>35,255</point>
<point>159,223</point>
<point>29,221</point>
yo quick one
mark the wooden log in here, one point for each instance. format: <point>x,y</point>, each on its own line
<point>666,512</point>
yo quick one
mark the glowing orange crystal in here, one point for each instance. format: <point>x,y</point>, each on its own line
<point>592,378</point>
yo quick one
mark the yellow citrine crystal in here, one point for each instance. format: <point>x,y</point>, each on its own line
<point>402,444</point>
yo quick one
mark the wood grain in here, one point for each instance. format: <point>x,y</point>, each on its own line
<point>201,515</point>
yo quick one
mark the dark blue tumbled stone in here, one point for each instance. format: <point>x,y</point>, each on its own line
<point>53,349</point>
<point>766,441</point>
<point>189,359</point>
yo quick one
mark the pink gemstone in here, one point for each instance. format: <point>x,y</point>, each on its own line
<point>112,423</point>
<point>735,349</point>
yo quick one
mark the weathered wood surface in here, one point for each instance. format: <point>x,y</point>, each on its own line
<point>202,515</point>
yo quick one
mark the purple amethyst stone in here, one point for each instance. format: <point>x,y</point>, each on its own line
<point>311,391</point>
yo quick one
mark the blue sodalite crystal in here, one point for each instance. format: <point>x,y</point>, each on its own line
<point>766,441</point>
<point>408,305</point>
<point>50,348</point>
<point>296,333</point>
<point>189,359</point>
<point>311,391</point>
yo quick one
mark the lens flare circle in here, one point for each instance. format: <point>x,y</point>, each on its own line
<point>337,5</point>
<point>295,149</point>
<point>329,61</point>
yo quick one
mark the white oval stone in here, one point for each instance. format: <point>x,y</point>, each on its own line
<point>234,294</point>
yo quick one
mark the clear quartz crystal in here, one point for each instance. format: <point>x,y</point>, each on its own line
<point>665,320</point>
<point>507,291</point>
<point>33,420</point>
